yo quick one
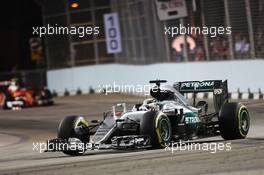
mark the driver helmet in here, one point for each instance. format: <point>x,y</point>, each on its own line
<point>14,86</point>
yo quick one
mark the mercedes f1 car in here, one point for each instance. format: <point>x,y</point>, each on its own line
<point>13,96</point>
<point>166,117</point>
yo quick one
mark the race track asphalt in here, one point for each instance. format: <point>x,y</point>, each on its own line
<point>20,129</point>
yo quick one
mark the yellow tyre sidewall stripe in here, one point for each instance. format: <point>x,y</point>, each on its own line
<point>239,124</point>
<point>157,122</point>
<point>81,120</point>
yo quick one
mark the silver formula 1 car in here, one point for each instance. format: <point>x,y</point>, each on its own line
<point>166,117</point>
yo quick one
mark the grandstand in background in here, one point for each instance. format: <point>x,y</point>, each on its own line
<point>142,33</point>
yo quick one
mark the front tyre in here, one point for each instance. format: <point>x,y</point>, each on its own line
<point>71,127</point>
<point>234,121</point>
<point>158,127</point>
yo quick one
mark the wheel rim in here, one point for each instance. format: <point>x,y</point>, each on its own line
<point>164,130</point>
<point>79,125</point>
<point>244,120</point>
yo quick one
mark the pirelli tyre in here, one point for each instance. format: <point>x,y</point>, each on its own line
<point>234,121</point>
<point>157,126</point>
<point>70,128</point>
<point>45,97</point>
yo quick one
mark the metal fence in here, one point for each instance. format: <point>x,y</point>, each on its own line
<point>142,33</point>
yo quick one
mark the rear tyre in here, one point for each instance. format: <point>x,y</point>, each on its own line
<point>158,127</point>
<point>234,121</point>
<point>69,128</point>
<point>46,97</point>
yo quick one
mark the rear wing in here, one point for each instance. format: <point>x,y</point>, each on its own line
<point>201,86</point>
<point>217,87</point>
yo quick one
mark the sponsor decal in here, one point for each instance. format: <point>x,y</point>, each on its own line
<point>197,85</point>
<point>218,91</point>
<point>189,120</point>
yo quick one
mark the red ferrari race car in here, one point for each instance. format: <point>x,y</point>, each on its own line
<point>12,96</point>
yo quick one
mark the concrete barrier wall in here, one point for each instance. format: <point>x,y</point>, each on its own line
<point>240,74</point>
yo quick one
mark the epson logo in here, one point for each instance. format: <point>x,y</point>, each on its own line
<point>197,84</point>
